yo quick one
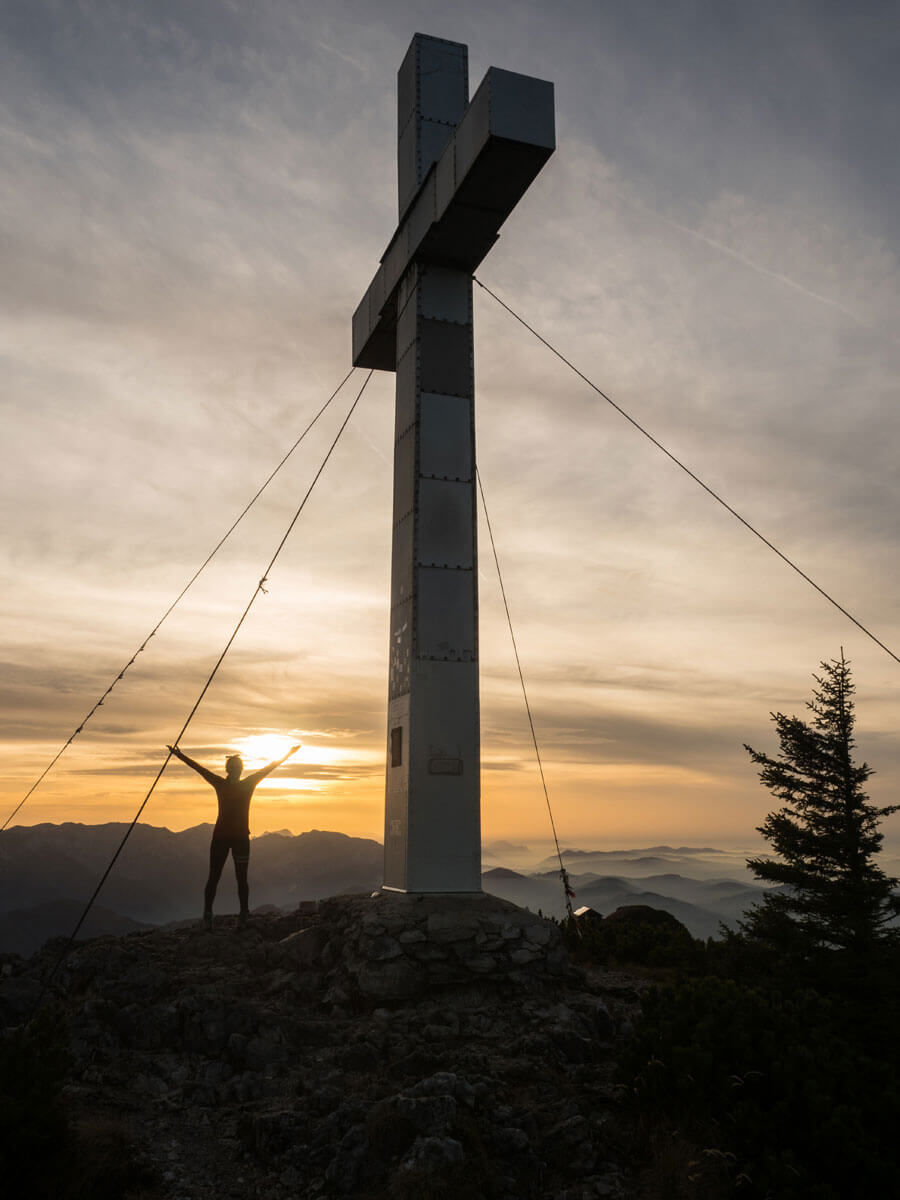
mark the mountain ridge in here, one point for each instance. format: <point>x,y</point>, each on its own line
<point>48,871</point>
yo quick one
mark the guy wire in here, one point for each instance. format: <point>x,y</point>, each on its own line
<point>193,579</point>
<point>696,478</point>
<point>563,873</point>
<point>260,587</point>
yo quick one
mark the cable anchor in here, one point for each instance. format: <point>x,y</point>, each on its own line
<point>570,896</point>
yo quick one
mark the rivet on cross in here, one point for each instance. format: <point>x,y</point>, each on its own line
<point>462,168</point>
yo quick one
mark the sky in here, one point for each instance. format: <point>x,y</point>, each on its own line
<point>194,196</point>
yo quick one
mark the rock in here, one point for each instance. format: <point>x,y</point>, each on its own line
<point>382,948</point>
<point>359,1057</point>
<point>481,964</point>
<point>573,1046</point>
<point>437,1033</point>
<point>20,995</point>
<point>450,926</point>
<point>150,1085</point>
<point>391,980</point>
<point>346,1052</point>
<point>510,1140</point>
<point>643,914</point>
<point>445,938</point>
<point>525,954</point>
<point>261,1051</point>
<point>344,1168</point>
<point>445,1083</point>
<point>217,1071</point>
<point>597,1015</point>
<point>409,936</point>
<point>432,1154</point>
<point>336,995</point>
<point>539,935</point>
<point>305,946</point>
<point>427,1114</point>
<point>373,925</point>
<point>570,1142</point>
<point>291,1179</point>
<point>611,1183</point>
<point>424,952</point>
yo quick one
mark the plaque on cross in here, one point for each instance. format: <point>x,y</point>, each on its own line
<point>462,168</point>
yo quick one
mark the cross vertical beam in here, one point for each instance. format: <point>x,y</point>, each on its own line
<point>461,169</point>
<point>432,797</point>
<point>432,809</point>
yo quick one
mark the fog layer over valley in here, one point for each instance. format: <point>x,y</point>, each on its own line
<point>701,886</point>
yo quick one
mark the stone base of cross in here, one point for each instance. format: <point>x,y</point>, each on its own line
<point>462,168</point>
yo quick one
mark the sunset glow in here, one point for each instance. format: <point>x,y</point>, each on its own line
<point>261,748</point>
<point>194,204</point>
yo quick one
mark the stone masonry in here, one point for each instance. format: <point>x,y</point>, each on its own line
<point>396,947</point>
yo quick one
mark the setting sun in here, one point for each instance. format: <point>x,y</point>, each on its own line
<point>257,749</point>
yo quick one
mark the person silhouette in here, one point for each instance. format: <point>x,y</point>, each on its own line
<point>232,828</point>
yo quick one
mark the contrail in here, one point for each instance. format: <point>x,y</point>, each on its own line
<point>785,279</point>
<point>373,446</point>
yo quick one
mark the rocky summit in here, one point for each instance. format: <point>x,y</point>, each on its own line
<point>374,1046</point>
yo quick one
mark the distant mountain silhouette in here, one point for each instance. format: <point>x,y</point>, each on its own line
<point>493,849</point>
<point>639,850</point>
<point>47,872</point>
<point>699,904</point>
<point>22,931</point>
<point>695,862</point>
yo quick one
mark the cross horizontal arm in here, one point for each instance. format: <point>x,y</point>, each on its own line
<point>503,139</point>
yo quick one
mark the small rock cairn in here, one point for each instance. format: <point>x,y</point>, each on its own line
<point>390,946</point>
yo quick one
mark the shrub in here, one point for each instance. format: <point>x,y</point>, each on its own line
<point>34,1134</point>
<point>636,935</point>
<point>777,1080</point>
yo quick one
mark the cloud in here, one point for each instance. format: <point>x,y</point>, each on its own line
<point>747,262</point>
<point>195,199</point>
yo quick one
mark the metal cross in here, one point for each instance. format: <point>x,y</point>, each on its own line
<point>462,168</point>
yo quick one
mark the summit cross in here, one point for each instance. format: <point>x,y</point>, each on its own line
<point>462,167</point>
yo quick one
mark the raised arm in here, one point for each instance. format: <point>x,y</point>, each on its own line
<point>256,776</point>
<point>209,776</point>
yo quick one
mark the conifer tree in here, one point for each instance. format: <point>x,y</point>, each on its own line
<point>825,834</point>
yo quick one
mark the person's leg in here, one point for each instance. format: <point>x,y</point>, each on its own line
<point>240,852</point>
<point>218,852</point>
